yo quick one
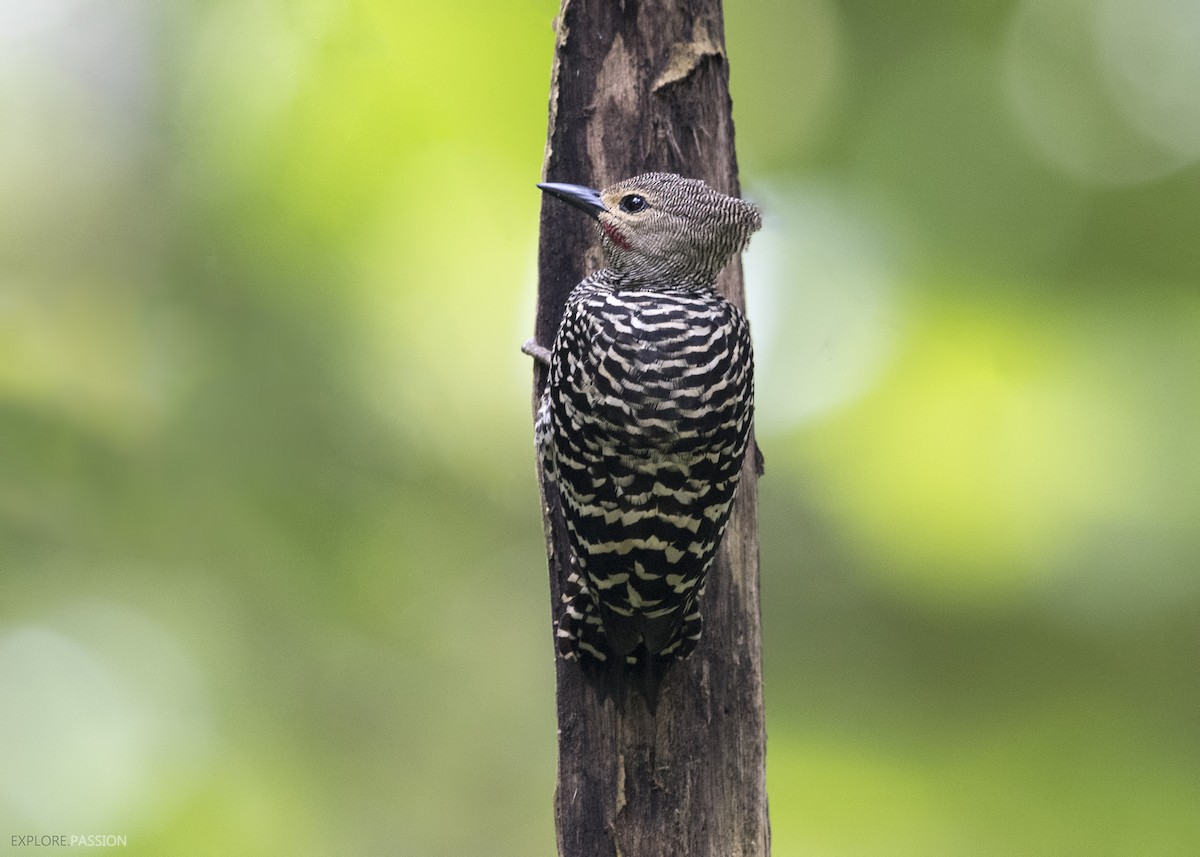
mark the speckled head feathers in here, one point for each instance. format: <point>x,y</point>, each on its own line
<point>663,229</point>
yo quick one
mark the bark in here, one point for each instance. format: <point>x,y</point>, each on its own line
<point>636,87</point>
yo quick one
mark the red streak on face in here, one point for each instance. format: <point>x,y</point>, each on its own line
<point>615,236</point>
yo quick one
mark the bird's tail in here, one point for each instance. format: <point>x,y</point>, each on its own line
<point>581,636</point>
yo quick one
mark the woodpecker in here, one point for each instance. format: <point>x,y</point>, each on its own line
<point>646,416</point>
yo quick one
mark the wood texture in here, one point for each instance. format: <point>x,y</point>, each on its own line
<point>636,87</point>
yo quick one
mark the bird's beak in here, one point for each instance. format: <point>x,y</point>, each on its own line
<point>581,197</point>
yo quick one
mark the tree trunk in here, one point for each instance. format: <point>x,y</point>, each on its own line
<point>639,86</point>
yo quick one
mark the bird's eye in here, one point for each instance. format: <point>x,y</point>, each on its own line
<point>632,203</point>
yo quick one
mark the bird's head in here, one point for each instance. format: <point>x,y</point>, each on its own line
<point>662,228</point>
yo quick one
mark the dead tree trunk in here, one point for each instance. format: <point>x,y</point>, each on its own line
<point>642,85</point>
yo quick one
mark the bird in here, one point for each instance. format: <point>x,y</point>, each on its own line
<point>646,417</point>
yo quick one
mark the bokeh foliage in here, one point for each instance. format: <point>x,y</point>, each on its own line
<point>271,570</point>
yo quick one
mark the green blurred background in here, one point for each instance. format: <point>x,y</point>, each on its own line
<point>271,567</point>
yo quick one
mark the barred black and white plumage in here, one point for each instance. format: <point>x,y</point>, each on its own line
<point>647,415</point>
